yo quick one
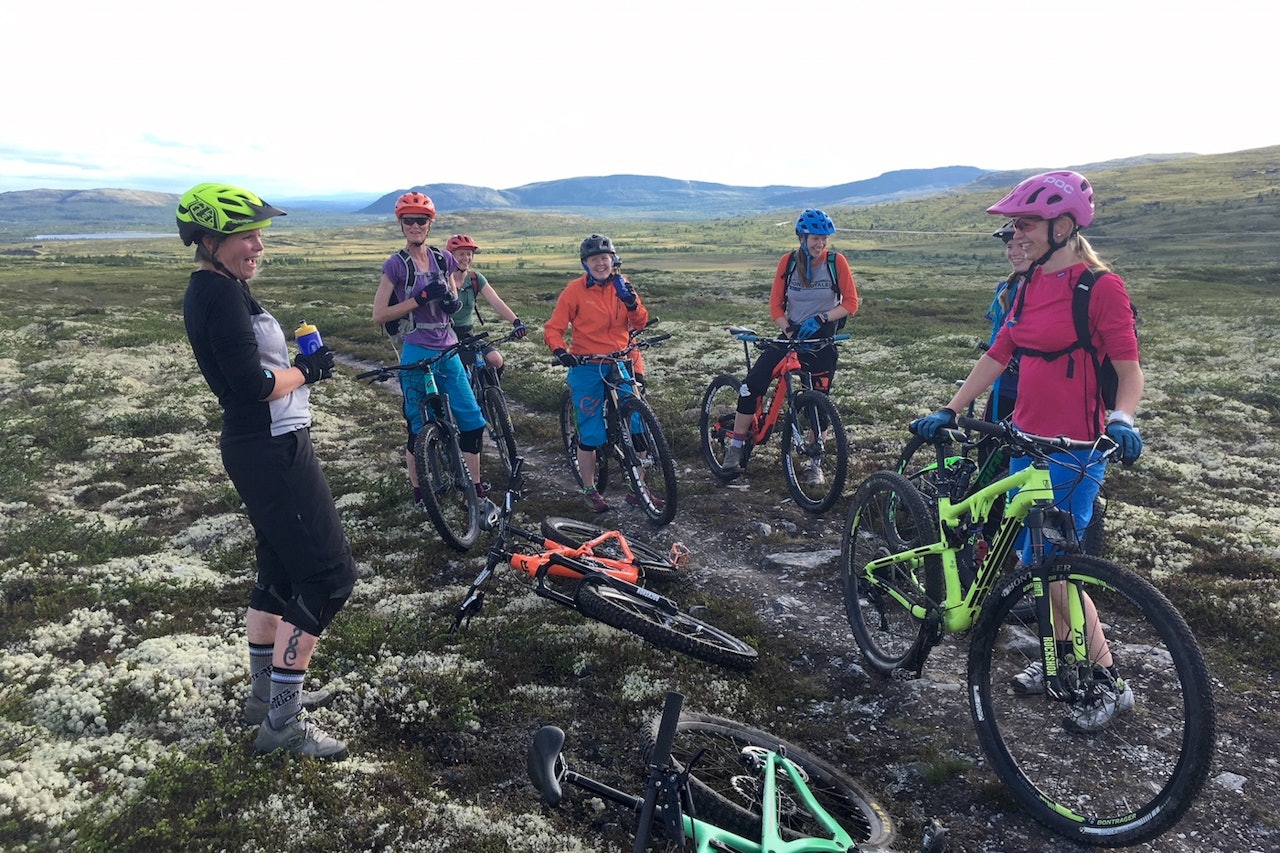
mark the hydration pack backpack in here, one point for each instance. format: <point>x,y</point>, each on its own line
<point>402,326</point>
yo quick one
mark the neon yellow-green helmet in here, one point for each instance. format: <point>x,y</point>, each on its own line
<point>221,209</point>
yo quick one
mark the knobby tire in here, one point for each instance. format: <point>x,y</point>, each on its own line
<point>657,484</point>
<point>654,565</point>
<point>629,611</point>
<point>569,443</point>
<point>447,491</point>
<point>727,788</point>
<point>888,516</point>
<point>715,422</point>
<point>1134,779</point>
<point>500,428</point>
<point>808,413</point>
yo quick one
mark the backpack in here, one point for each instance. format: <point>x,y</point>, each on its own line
<point>835,281</point>
<point>1105,371</point>
<point>402,326</point>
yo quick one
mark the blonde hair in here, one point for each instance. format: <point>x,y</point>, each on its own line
<point>1086,253</point>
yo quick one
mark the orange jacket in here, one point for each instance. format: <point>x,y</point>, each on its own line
<point>600,322</point>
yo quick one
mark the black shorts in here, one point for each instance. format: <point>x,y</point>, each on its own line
<point>301,546</point>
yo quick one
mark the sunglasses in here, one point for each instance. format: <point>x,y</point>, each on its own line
<point>415,220</point>
<point>1026,223</point>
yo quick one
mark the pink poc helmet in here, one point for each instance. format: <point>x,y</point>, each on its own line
<point>1048,196</point>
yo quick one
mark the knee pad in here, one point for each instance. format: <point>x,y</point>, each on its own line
<point>470,440</point>
<point>408,446</point>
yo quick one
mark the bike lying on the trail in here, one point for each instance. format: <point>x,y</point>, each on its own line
<point>814,446</point>
<point>1106,754</point>
<point>488,391</point>
<point>634,439</point>
<point>599,577</point>
<point>759,792</point>
<point>448,493</point>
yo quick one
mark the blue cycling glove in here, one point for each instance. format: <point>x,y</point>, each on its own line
<point>809,328</point>
<point>626,293</point>
<point>928,426</point>
<point>1128,439</point>
<point>519,329</point>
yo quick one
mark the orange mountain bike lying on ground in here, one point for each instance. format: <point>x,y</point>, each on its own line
<point>815,448</point>
<point>598,574</point>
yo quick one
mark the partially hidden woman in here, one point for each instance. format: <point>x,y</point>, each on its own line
<point>305,572</point>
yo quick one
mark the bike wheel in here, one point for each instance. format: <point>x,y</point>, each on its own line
<point>653,564</point>
<point>569,440</point>
<point>727,782</point>
<point>715,424</point>
<point>815,451</point>
<point>500,428</point>
<point>447,491</point>
<point>1134,777</point>
<point>646,460</point>
<point>647,618</point>
<point>888,516</point>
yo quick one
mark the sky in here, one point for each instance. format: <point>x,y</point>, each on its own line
<point>309,99</point>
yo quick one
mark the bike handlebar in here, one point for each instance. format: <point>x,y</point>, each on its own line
<point>751,336</point>
<point>1040,443</point>
<point>382,374</point>
<point>622,353</point>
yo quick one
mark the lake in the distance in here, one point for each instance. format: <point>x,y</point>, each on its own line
<point>122,235</point>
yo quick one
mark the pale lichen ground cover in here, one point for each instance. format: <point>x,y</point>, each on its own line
<point>91,699</point>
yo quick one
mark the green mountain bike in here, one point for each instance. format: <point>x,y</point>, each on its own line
<point>767,794</point>
<point>1095,708</point>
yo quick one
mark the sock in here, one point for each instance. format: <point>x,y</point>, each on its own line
<point>260,670</point>
<point>737,439</point>
<point>417,494</point>
<point>286,696</point>
<point>480,492</point>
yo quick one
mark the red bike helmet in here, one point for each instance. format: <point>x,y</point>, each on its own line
<point>1048,196</point>
<point>461,241</point>
<point>413,203</point>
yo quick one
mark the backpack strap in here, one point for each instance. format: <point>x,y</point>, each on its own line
<point>831,268</point>
<point>1080,295</point>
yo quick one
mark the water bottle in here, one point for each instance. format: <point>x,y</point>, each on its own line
<point>308,338</point>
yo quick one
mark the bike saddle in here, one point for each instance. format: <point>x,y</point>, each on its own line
<point>543,761</point>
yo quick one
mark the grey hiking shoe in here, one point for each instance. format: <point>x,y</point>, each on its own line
<point>300,737</point>
<point>1030,681</point>
<point>732,457</point>
<point>814,477</point>
<point>1111,700</point>
<point>255,709</point>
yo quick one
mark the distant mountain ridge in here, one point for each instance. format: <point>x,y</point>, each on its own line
<point>657,195</point>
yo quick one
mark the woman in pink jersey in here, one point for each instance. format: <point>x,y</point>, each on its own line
<point>1058,388</point>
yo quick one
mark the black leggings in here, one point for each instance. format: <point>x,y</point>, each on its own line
<point>820,364</point>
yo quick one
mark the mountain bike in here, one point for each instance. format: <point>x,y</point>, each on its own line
<point>600,579</point>
<point>488,391</point>
<point>769,794</point>
<point>634,438</point>
<point>815,447</point>
<point>1105,758</point>
<point>448,493</point>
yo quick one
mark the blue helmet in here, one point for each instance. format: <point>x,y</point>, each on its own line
<point>814,221</point>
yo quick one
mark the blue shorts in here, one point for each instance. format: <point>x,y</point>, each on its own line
<point>587,385</point>
<point>451,379</point>
<point>1073,489</point>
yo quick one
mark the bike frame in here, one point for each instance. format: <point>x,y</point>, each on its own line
<point>1031,506</point>
<point>662,797</point>
<point>554,560</point>
<point>782,386</point>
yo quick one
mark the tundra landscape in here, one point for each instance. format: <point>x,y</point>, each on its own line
<point>126,560</point>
